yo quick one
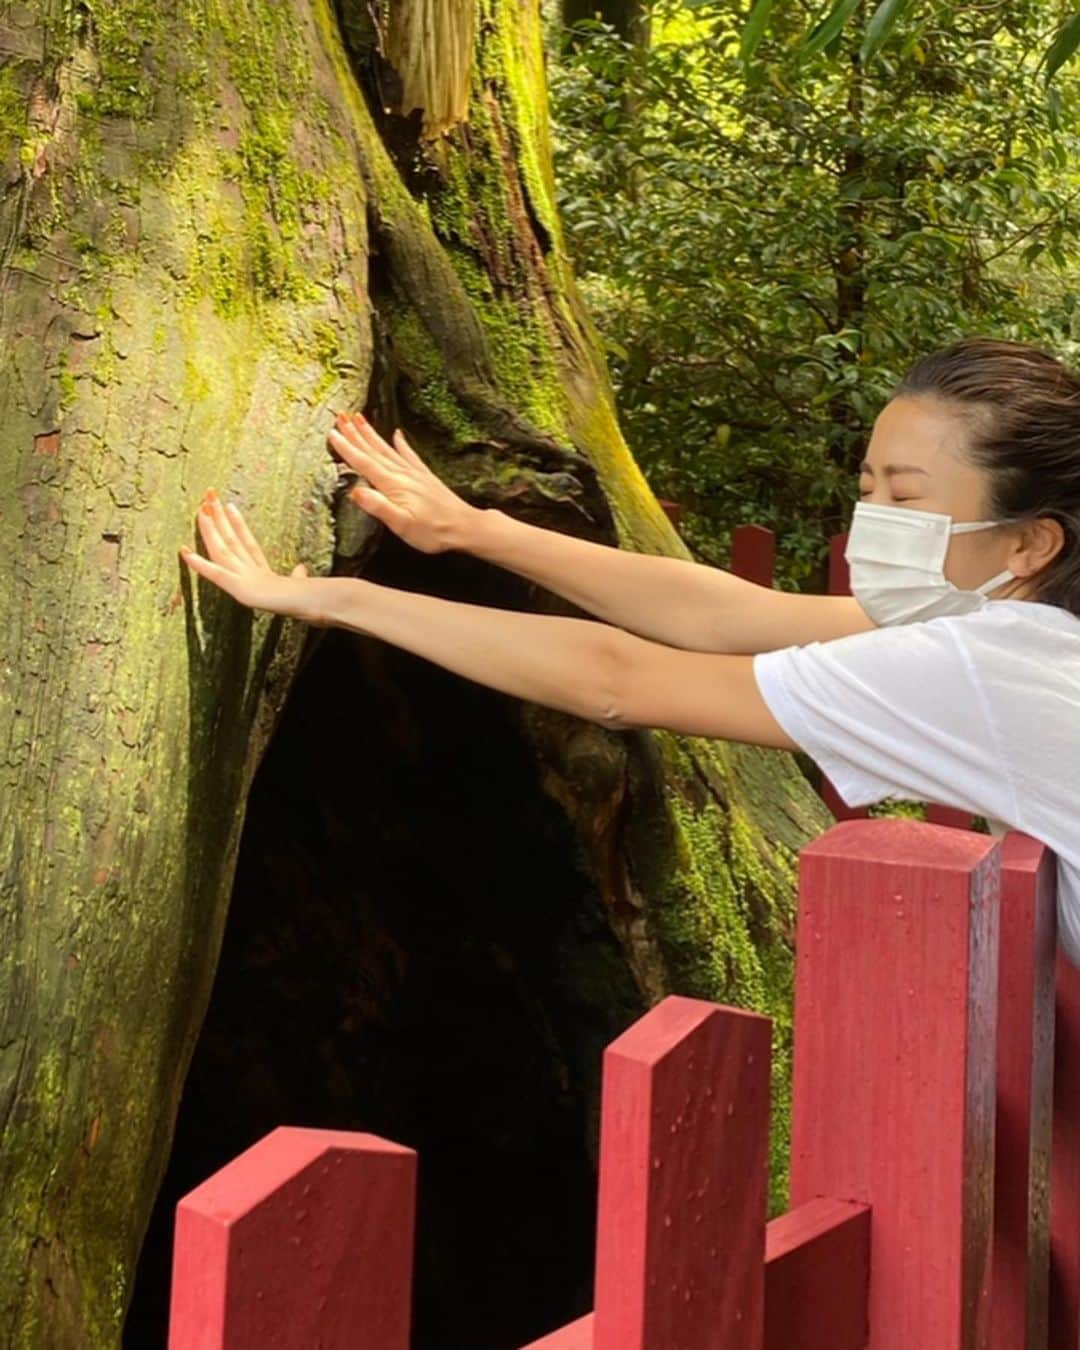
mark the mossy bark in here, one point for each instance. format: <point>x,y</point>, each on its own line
<point>217,227</point>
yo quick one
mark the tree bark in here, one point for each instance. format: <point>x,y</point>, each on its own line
<point>218,225</point>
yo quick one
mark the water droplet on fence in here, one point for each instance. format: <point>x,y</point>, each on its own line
<point>731,1108</point>
<point>667,1220</point>
<point>258,1293</point>
<point>657,1163</point>
<point>750,1059</point>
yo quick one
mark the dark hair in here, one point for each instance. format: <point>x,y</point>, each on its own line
<point>1022,407</point>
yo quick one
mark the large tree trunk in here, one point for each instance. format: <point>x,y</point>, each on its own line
<point>217,226</point>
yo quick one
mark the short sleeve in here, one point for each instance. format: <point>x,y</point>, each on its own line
<point>896,711</point>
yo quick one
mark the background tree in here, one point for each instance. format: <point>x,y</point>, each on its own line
<point>809,198</point>
<point>220,222</point>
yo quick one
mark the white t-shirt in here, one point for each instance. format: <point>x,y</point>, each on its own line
<point>979,711</point>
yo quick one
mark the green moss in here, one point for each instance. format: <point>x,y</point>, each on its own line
<point>720,923</point>
<point>68,387</point>
<point>14,113</point>
<point>420,361</point>
<point>129,39</point>
<point>472,216</point>
<point>513,57</point>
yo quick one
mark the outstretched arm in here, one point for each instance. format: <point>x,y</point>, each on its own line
<point>590,669</point>
<point>669,600</point>
<point>562,663</point>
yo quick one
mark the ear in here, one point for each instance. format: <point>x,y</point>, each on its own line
<point>1040,543</point>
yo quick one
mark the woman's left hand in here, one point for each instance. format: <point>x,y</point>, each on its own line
<point>237,564</point>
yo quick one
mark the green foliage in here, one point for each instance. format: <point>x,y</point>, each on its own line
<point>768,244</point>
<point>1063,47</point>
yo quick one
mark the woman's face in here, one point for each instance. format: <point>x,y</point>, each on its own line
<point>918,439</point>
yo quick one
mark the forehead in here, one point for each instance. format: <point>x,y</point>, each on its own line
<point>924,433</point>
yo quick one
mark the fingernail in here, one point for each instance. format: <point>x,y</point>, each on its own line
<point>211,494</point>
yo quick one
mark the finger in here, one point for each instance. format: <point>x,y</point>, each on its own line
<point>217,548</point>
<point>406,450</point>
<point>376,444</point>
<point>375,504</point>
<point>357,432</point>
<point>299,571</point>
<point>371,466</point>
<point>224,527</point>
<point>345,426</point>
<point>212,571</point>
<point>241,527</point>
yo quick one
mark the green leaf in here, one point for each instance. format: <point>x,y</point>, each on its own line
<point>881,24</point>
<point>754,29</point>
<point>828,26</point>
<point>1063,46</point>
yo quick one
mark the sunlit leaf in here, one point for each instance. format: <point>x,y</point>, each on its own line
<point>755,27</point>
<point>1063,46</point>
<point>881,24</point>
<point>829,26</point>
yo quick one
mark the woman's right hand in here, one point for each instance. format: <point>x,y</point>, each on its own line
<point>404,494</point>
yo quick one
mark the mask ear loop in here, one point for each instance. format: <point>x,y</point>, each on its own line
<point>1007,575</point>
<point>966,527</point>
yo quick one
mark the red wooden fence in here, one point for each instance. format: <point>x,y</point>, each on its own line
<point>935,1166</point>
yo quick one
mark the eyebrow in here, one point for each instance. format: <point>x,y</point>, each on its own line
<point>890,469</point>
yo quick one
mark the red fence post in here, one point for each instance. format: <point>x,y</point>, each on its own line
<point>577,1336</point>
<point>1065,1161</point>
<point>894,1089</point>
<point>753,553</point>
<point>305,1239</point>
<point>1024,1094</point>
<point>680,1248</point>
<point>817,1277</point>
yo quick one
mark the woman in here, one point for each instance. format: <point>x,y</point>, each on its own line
<point>951,675</point>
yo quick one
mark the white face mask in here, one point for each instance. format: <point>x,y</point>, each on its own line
<point>896,556</point>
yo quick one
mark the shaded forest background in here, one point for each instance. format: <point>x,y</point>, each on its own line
<point>774,210</point>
